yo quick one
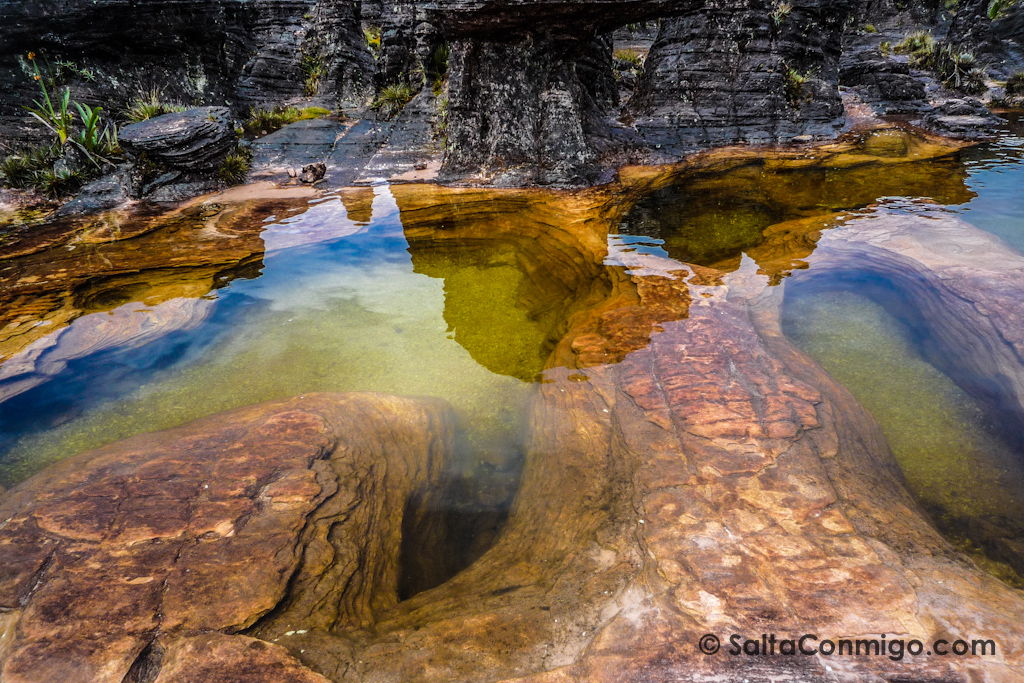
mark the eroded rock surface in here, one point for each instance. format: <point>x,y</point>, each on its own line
<point>741,73</point>
<point>689,471</point>
<point>883,82</point>
<point>116,553</point>
<point>192,140</point>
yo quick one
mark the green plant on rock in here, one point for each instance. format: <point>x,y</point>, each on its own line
<point>314,68</point>
<point>884,48</point>
<point>869,28</point>
<point>97,139</point>
<point>920,46</point>
<point>372,35</point>
<point>441,122</point>
<point>53,112</point>
<point>150,105</point>
<point>437,65</point>
<point>21,169</point>
<point>631,57</point>
<point>795,86</point>
<point>959,70</point>
<point>779,12</point>
<point>997,9</point>
<point>235,167</point>
<point>262,121</point>
<point>58,182</point>
<point>392,99</point>
<point>67,66</point>
<point>956,69</point>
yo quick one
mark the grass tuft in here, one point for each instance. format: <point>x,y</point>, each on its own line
<point>150,105</point>
<point>235,167</point>
<point>263,121</point>
<point>392,99</point>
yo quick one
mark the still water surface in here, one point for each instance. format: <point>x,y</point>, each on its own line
<point>361,307</point>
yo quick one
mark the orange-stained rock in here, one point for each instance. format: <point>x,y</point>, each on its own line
<point>689,472</point>
<point>216,658</point>
<point>205,527</point>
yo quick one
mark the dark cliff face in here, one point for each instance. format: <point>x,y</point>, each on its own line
<point>519,111</point>
<point>749,71</point>
<point>531,95</point>
<point>193,51</point>
<point>528,100</point>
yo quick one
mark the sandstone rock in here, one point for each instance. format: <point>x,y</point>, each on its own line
<point>157,536</point>
<point>216,657</point>
<point>192,140</point>
<point>721,483</point>
<point>688,471</point>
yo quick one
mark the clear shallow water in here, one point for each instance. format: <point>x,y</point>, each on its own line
<point>343,314</point>
<point>995,176</point>
<point>952,455</point>
<point>337,296</point>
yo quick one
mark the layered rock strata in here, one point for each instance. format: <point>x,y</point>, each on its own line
<point>752,72</point>
<point>126,561</point>
<point>192,52</point>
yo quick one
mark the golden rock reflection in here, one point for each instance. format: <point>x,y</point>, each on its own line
<point>516,264</point>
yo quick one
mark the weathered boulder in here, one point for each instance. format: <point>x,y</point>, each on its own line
<point>192,140</point>
<point>112,555</point>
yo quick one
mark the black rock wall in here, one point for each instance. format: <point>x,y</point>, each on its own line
<point>750,71</point>
<point>236,52</point>
<point>519,111</point>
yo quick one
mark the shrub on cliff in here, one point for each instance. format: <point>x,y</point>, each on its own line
<point>960,71</point>
<point>920,46</point>
<point>956,69</point>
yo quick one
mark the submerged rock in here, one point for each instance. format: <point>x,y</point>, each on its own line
<point>111,556</point>
<point>688,471</point>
